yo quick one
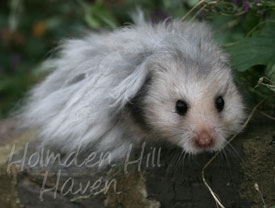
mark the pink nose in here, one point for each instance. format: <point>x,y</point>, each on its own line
<point>204,139</point>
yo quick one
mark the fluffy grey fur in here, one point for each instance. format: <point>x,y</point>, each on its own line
<point>112,89</point>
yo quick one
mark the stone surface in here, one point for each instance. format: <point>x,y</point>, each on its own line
<point>10,136</point>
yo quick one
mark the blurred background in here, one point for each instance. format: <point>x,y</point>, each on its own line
<point>31,29</point>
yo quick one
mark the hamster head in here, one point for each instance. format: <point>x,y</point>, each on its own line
<point>192,101</point>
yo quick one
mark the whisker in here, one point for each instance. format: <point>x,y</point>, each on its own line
<point>183,159</point>
<point>179,159</point>
<point>234,150</point>
<point>224,154</point>
<point>174,157</point>
<point>184,134</point>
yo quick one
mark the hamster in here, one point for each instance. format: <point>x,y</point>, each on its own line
<point>142,83</point>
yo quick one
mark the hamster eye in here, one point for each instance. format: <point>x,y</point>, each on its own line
<point>181,107</point>
<point>219,102</point>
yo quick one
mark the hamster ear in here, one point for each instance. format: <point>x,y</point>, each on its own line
<point>129,87</point>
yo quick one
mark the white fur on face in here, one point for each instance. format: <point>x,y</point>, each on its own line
<point>174,82</point>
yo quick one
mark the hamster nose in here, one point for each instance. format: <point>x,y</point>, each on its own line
<point>204,139</point>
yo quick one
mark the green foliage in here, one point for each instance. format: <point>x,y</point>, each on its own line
<point>256,50</point>
<point>12,87</point>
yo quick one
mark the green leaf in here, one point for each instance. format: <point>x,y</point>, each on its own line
<point>256,50</point>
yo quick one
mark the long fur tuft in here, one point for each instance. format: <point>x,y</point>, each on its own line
<point>95,77</point>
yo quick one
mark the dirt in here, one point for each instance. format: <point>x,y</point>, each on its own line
<point>259,167</point>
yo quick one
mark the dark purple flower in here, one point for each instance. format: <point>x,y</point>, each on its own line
<point>258,4</point>
<point>246,5</point>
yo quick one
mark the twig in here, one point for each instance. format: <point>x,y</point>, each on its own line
<point>268,116</point>
<point>193,8</point>
<point>201,9</point>
<point>256,186</point>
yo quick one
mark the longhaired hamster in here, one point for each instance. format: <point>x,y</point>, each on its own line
<point>161,82</point>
